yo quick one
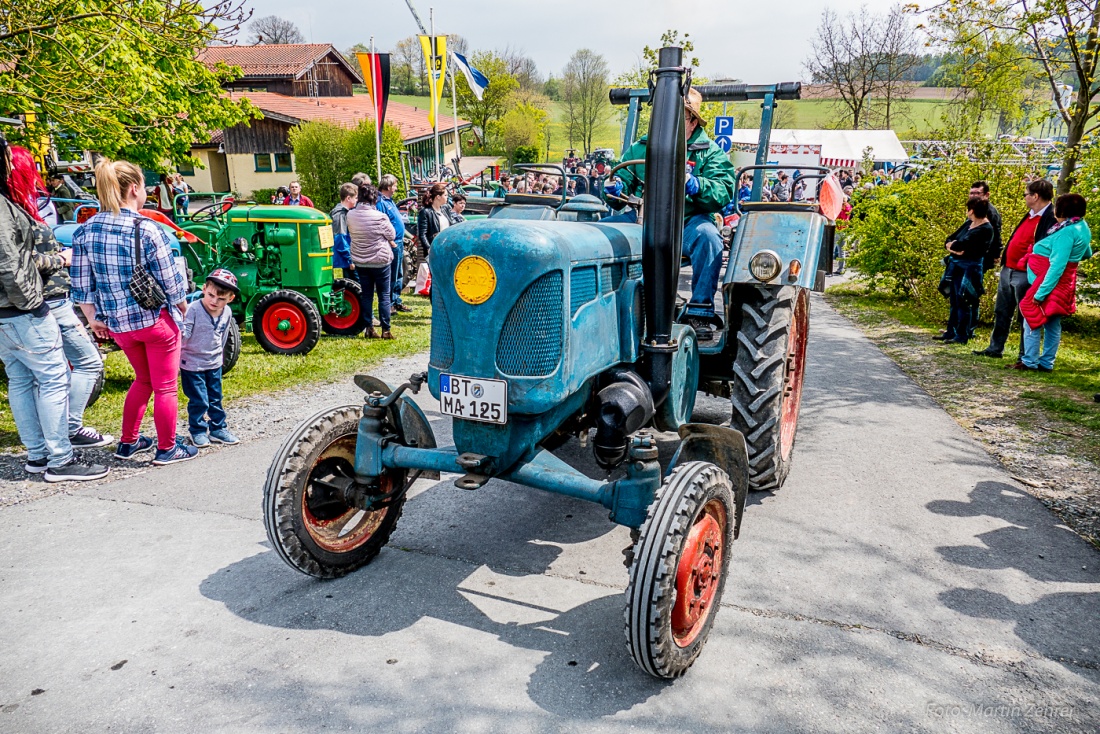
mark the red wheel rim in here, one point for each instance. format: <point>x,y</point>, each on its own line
<point>330,522</point>
<point>699,573</point>
<point>794,372</point>
<point>285,325</point>
<point>345,315</point>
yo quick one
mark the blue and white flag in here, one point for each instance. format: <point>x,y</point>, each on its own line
<point>478,82</point>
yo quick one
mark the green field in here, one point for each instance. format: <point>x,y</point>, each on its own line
<point>919,117</point>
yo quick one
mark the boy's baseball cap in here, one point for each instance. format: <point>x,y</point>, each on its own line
<point>225,279</point>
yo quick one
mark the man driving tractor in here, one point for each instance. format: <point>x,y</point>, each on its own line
<point>710,185</point>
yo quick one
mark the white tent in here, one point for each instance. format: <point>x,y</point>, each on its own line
<point>839,148</point>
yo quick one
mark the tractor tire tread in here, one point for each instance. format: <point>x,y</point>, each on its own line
<point>758,384</point>
<point>651,592</point>
<point>281,502</point>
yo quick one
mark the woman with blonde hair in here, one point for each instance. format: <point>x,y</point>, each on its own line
<point>120,262</point>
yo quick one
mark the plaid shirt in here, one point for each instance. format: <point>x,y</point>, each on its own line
<point>103,263</point>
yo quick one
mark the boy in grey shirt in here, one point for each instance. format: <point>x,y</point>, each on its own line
<point>205,332</point>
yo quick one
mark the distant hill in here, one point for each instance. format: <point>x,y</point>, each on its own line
<point>912,91</point>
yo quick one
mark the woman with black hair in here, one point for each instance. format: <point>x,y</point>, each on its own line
<point>967,246</point>
<point>1052,272</point>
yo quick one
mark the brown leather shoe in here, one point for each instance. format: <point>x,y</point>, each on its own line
<point>371,334</point>
<point>387,335</point>
<point>402,308</point>
<point>1021,366</point>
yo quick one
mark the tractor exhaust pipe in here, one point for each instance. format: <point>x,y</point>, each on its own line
<point>663,218</point>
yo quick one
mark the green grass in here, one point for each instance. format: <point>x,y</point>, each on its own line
<point>257,371</point>
<point>1065,395</point>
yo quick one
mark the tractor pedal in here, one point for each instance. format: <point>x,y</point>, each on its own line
<point>471,481</point>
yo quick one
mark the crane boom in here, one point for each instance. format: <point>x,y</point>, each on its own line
<point>416,17</point>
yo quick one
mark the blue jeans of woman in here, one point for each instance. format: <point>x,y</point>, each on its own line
<point>375,279</point>
<point>38,385</point>
<point>83,356</point>
<point>1050,336</point>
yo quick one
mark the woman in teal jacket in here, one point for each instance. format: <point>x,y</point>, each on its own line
<point>1051,270</point>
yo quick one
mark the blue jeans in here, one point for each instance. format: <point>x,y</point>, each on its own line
<point>397,279</point>
<point>1050,334</point>
<point>703,247</point>
<point>204,398</point>
<point>83,356</point>
<point>375,279</point>
<point>38,385</point>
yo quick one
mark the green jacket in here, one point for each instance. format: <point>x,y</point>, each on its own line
<point>717,176</point>
<point>1069,244</point>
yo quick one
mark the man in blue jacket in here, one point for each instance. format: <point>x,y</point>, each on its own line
<point>341,240</point>
<point>386,186</point>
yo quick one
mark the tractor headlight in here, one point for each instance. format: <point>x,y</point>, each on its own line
<point>765,265</point>
<point>241,243</point>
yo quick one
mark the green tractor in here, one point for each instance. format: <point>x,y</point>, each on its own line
<point>282,257</point>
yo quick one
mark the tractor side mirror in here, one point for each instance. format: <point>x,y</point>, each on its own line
<point>241,244</point>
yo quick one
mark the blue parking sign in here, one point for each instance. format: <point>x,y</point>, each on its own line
<point>723,142</point>
<point>723,126</point>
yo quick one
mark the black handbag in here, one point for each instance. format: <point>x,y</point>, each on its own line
<point>143,286</point>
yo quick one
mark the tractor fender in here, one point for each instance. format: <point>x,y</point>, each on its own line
<point>414,424</point>
<point>723,447</point>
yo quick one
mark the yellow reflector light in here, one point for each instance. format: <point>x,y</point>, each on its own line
<point>475,280</point>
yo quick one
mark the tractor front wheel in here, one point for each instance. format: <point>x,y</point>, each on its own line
<point>308,522</point>
<point>286,322</point>
<point>679,568</point>
<point>346,319</point>
<point>768,373</point>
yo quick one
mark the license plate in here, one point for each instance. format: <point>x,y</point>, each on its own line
<point>473,398</point>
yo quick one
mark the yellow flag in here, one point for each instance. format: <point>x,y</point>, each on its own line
<point>436,60</point>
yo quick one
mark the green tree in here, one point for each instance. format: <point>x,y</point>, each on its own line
<point>637,77</point>
<point>523,126</point>
<point>487,111</point>
<point>121,78</point>
<point>327,155</point>
<point>1061,37</point>
<point>584,90</point>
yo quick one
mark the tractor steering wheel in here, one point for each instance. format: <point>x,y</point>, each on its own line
<point>211,211</point>
<point>623,200</point>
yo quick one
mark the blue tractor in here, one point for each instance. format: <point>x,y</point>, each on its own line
<point>547,324</point>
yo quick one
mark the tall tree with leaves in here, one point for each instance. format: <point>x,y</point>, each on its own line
<point>408,72</point>
<point>584,90</point>
<point>1063,38</point>
<point>120,78</point>
<point>484,112</point>
<point>272,29</point>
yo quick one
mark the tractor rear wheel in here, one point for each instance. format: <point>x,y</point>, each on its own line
<point>308,522</point>
<point>768,373</point>
<point>286,322</point>
<point>232,350</point>
<point>679,568</point>
<point>347,318</point>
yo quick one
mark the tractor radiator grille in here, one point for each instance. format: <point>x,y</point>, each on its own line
<point>443,346</point>
<point>634,270</point>
<point>611,277</point>
<point>582,287</point>
<point>531,342</point>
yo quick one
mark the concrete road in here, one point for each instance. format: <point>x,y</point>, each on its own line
<point>899,582</point>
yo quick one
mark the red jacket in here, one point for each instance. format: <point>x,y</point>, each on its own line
<point>303,200</point>
<point>1062,301</point>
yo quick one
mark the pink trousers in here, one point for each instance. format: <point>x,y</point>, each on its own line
<point>154,353</point>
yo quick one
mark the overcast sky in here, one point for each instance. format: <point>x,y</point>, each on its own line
<point>759,41</point>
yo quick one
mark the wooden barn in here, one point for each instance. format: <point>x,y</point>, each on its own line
<point>292,84</point>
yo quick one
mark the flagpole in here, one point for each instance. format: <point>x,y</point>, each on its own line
<point>377,115</point>
<point>435,118</point>
<point>454,111</point>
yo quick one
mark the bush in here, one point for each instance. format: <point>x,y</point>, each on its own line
<point>262,196</point>
<point>897,232</point>
<point>328,155</point>
<point>526,154</point>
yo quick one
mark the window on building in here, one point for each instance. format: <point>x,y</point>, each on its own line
<point>263,162</point>
<point>283,162</point>
<point>186,169</point>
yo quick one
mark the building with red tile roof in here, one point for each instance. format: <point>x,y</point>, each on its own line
<point>292,84</point>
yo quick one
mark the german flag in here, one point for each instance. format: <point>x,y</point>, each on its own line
<point>376,73</point>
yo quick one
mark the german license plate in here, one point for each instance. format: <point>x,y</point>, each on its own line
<point>473,398</point>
